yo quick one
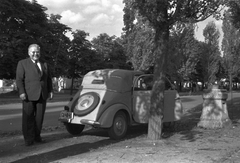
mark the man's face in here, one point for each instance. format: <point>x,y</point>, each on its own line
<point>34,53</point>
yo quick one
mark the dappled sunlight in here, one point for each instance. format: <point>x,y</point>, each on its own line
<point>214,113</point>
<point>141,106</point>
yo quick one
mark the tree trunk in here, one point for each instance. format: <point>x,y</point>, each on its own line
<point>157,96</point>
<point>157,106</point>
<point>203,83</point>
<point>180,86</point>
<point>71,91</point>
<point>230,87</point>
<point>214,113</point>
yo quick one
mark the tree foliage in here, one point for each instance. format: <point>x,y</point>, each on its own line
<point>183,52</point>
<point>234,9</point>
<point>79,59</point>
<point>139,46</point>
<point>21,22</point>
<point>211,57</point>
<point>111,51</point>
<point>230,47</point>
<point>56,45</point>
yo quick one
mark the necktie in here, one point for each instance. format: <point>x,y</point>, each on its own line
<point>38,69</point>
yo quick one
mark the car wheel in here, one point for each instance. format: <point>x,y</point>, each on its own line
<point>74,129</point>
<point>85,104</point>
<point>119,126</point>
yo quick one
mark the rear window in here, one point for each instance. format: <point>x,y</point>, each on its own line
<point>97,81</point>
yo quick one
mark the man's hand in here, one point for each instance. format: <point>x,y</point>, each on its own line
<point>23,96</point>
<point>50,96</point>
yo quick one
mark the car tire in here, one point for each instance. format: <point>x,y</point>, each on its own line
<point>119,127</point>
<point>74,129</point>
<point>85,103</point>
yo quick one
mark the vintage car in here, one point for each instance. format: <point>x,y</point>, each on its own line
<point>115,99</point>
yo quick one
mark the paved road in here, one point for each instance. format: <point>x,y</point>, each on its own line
<point>10,115</point>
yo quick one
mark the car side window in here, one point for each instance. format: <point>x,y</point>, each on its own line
<point>144,82</point>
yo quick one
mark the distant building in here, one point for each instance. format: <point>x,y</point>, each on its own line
<point>65,83</point>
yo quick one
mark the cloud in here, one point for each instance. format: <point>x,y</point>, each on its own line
<point>102,19</point>
<point>105,3</point>
<point>54,3</point>
<point>86,2</point>
<point>117,8</point>
<point>92,16</point>
<point>93,9</point>
<point>70,17</point>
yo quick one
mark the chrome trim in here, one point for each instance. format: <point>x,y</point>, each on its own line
<point>90,122</point>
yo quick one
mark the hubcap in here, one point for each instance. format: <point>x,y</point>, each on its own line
<point>119,125</point>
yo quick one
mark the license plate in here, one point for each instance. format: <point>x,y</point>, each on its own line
<point>66,116</point>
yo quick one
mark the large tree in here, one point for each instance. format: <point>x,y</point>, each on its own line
<point>81,57</point>
<point>211,57</point>
<point>234,9</point>
<point>183,53</point>
<point>111,50</point>
<point>230,47</point>
<point>55,45</point>
<point>21,23</point>
<point>162,15</point>
<point>139,46</point>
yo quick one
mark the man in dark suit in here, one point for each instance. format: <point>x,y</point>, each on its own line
<point>34,84</point>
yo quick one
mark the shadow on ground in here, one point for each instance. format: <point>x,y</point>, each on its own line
<point>187,126</point>
<point>80,148</point>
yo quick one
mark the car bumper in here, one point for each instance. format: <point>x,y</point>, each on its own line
<point>68,117</point>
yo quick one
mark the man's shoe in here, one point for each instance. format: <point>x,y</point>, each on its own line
<point>29,143</point>
<point>39,140</point>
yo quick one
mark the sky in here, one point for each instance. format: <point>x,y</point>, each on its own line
<point>92,16</point>
<point>98,16</point>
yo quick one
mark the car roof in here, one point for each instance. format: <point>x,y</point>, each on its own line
<point>115,79</point>
<point>113,72</point>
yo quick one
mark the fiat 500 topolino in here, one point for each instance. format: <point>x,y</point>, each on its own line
<point>115,99</point>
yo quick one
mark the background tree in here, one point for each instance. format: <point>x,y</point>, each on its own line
<point>111,50</point>
<point>230,47</point>
<point>21,23</point>
<point>139,46</point>
<point>234,9</point>
<point>81,58</point>
<point>162,15</point>
<point>56,45</point>
<point>211,57</point>
<point>183,53</point>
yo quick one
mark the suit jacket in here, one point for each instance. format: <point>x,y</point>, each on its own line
<point>30,82</point>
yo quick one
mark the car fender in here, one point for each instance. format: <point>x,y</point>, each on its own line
<point>106,119</point>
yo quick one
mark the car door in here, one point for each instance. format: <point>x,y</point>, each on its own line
<point>141,98</point>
